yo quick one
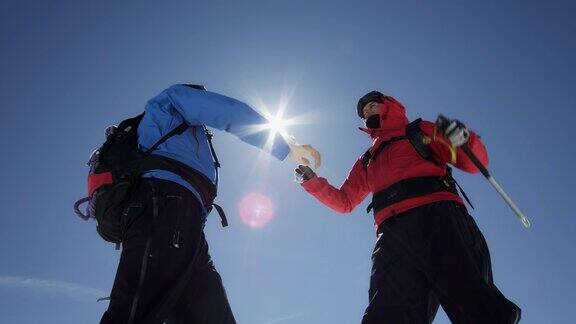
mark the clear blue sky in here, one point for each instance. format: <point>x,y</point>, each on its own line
<point>70,68</point>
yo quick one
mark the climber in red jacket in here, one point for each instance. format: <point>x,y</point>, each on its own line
<point>429,250</point>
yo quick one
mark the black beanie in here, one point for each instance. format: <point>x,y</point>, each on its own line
<point>375,96</point>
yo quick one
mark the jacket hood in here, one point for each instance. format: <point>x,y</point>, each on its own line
<point>393,120</point>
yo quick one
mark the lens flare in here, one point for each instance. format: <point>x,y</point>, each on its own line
<point>256,210</point>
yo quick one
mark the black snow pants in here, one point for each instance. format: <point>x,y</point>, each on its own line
<point>431,255</point>
<point>162,237</point>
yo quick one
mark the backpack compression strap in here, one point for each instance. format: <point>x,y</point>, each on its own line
<point>210,135</point>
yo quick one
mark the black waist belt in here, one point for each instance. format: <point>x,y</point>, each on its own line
<point>410,188</point>
<point>197,180</point>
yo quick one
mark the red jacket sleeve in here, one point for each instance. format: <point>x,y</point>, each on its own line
<point>343,200</point>
<point>442,149</point>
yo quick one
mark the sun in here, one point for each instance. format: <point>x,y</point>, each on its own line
<point>276,124</point>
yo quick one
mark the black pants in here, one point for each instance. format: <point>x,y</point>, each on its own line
<point>432,255</point>
<point>162,235</point>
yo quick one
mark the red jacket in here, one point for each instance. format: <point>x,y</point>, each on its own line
<point>398,161</point>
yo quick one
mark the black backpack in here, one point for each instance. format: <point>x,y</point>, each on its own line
<point>116,167</point>
<point>413,134</point>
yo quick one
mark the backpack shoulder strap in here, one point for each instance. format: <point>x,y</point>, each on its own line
<point>176,131</point>
<point>416,138</point>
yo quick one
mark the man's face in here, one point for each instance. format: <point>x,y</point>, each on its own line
<point>370,109</point>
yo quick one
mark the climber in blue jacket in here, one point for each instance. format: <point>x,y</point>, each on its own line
<point>165,272</point>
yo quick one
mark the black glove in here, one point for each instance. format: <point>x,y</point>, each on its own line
<point>303,173</point>
<point>454,130</point>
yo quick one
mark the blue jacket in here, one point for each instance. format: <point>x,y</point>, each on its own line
<point>181,103</point>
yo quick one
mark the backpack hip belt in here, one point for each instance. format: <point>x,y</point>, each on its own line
<point>195,178</point>
<point>410,188</point>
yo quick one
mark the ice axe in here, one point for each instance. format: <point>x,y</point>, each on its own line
<point>442,122</point>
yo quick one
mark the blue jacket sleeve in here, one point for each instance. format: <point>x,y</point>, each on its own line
<point>200,107</point>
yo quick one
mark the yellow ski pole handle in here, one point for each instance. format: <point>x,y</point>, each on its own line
<point>496,186</point>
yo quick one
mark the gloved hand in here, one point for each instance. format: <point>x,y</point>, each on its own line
<point>455,131</point>
<point>303,173</point>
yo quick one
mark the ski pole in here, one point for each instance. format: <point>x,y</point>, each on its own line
<point>496,186</point>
